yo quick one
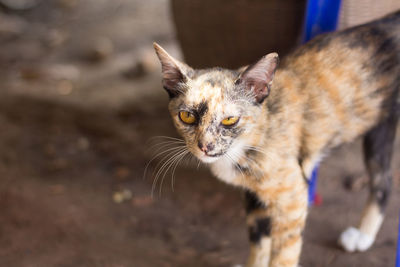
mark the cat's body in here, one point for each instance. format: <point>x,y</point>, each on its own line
<point>328,92</point>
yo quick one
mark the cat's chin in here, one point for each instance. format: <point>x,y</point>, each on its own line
<point>208,159</point>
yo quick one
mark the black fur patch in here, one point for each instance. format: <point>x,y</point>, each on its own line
<point>241,169</point>
<point>202,108</point>
<point>250,153</point>
<point>261,228</point>
<point>381,195</point>
<point>171,93</point>
<point>232,132</point>
<point>211,82</point>
<point>252,202</point>
<point>378,150</point>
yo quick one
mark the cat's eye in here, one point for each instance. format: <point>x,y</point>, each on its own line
<point>187,117</point>
<point>229,121</point>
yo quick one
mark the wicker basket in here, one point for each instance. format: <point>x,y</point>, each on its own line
<point>355,12</point>
<point>232,33</point>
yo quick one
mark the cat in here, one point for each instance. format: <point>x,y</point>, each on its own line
<point>264,128</point>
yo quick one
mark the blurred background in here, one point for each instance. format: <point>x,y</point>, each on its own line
<point>80,98</point>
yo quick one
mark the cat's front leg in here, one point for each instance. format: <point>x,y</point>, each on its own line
<point>259,226</point>
<point>287,204</point>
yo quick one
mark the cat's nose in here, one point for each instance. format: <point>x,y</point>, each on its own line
<point>205,147</point>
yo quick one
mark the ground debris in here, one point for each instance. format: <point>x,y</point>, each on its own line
<point>121,196</point>
<point>101,49</point>
<point>56,72</point>
<point>145,64</point>
<point>83,143</point>
<point>122,172</point>
<point>355,182</point>
<point>18,5</point>
<point>56,37</point>
<point>142,201</point>
<point>59,164</point>
<point>57,189</point>
<point>11,26</point>
<point>65,87</point>
<point>68,3</point>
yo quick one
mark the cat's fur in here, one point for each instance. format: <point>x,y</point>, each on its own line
<point>330,91</point>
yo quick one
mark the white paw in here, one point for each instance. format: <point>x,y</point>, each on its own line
<point>354,240</point>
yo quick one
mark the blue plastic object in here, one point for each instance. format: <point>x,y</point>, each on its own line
<point>321,16</point>
<point>398,247</point>
<point>312,186</point>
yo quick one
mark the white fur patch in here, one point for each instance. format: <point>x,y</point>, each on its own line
<point>260,254</point>
<point>353,240</point>
<point>207,159</point>
<point>224,168</point>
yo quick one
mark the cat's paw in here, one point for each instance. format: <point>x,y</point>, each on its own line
<point>353,240</point>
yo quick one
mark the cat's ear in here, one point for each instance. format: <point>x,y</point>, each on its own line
<point>174,72</point>
<point>258,77</point>
<point>242,69</point>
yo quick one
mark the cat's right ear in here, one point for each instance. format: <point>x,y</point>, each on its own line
<point>174,72</point>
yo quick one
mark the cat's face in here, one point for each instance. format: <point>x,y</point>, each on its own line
<point>211,115</point>
<point>215,110</point>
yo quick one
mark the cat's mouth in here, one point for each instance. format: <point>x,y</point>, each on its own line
<point>215,154</point>
<point>210,158</point>
<point>232,154</point>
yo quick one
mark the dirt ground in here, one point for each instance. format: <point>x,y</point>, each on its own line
<point>80,99</point>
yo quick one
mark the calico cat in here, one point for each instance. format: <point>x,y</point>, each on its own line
<point>264,128</point>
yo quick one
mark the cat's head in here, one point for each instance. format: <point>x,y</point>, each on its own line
<point>216,111</point>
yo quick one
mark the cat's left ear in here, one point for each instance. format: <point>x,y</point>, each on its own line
<point>258,77</point>
<point>174,72</point>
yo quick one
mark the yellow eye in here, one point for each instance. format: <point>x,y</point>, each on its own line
<point>229,121</point>
<point>187,117</point>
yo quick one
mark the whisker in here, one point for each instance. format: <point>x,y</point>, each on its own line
<point>161,145</point>
<point>252,169</point>
<point>167,156</point>
<point>198,164</point>
<point>170,164</point>
<point>260,150</point>
<point>163,167</point>
<point>173,171</point>
<point>158,155</point>
<point>161,139</point>
<point>165,137</point>
<point>235,164</point>
<point>249,160</point>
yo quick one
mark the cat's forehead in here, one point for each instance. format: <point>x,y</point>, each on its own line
<point>212,86</point>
